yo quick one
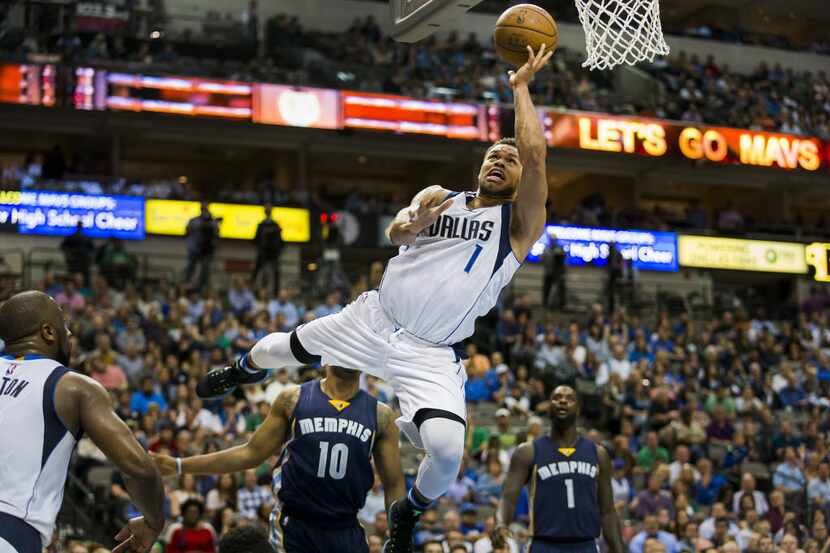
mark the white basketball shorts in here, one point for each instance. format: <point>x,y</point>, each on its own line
<point>423,375</point>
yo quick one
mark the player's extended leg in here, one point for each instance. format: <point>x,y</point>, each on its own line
<point>442,437</point>
<point>345,339</point>
<point>275,351</point>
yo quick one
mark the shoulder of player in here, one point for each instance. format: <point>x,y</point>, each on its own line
<point>77,386</point>
<point>287,401</point>
<point>524,453</point>
<point>386,417</point>
<point>602,455</point>
<point>434,193</point>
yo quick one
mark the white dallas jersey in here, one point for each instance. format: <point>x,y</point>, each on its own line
<point>436,288</point>
<point>35,446</point>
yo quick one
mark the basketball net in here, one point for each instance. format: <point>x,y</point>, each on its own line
<point>621,32</point>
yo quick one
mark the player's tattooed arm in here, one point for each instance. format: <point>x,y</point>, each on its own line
<point>610,520</point>
<point>517,476</point>
<point>267,440</point>
<point>528,215</point>
<point>387,456</point>
<point>425,208</point>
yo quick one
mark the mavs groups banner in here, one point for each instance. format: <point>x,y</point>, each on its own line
<point>58,213</point>
<point>648,250</point>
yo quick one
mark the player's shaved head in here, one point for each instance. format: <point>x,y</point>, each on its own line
<point>564,405</point>
<point>31,322</point>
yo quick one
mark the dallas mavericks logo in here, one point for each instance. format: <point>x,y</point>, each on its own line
<point>11,368</point>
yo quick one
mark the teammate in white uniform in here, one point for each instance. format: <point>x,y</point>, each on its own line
<point>457,253</point>
<point>44,410</point>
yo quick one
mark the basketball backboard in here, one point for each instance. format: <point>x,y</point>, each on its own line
<point>413,20</point>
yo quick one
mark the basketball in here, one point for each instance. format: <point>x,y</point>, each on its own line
<point>521,26</point>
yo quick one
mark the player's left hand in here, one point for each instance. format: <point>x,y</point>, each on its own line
<point>165,463</point>
<point>136,537</point>
<point>535,62</point>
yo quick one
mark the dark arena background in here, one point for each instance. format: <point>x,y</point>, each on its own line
<point>681,280</point>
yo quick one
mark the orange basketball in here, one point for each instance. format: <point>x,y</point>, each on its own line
<point>521,26</point>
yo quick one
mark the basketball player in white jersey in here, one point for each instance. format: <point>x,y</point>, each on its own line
<point>457,252</point>
<point>44,410</point>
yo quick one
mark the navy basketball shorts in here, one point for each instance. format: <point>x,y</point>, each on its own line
<point>544,546</point>
<point>16,536</point>
<point>292,535</point>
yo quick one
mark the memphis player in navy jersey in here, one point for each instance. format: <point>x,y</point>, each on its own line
<point>457,252</point>
<point>44,410</point>
<point>569,484</point>
<point>327,432</point>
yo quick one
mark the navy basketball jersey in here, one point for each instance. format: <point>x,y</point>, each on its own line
<point>563,491</point>
<point>325,469</point>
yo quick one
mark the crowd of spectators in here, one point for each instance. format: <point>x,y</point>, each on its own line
<point>717,429</point>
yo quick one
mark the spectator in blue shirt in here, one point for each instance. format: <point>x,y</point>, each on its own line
<point>141,401</point>
<point>469,524</point>
<point>818,490</point>
<point>788,475</point>
<point>792,395</point>
<point>708,487</point>
<point>476,388</point>
<point>651,530</point>
<point>331,306</point>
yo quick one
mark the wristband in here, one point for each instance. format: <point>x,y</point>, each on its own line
<point>178,466</point>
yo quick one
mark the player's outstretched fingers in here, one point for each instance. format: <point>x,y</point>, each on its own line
<point>126,543</point>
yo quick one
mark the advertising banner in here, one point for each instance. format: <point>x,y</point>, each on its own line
<point>401,114</point>
<point>239,221</point>
<point>659,138</point>
<point>296,106</point>
<point>58,213</point>
<point>712,252</point>
<point>648,250</point>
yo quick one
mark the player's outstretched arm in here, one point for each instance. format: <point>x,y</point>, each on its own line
<point>267,440</point>
<point>528,216</point>
<point>426,207</point>
<point>517,476</point>
<point>84,404</point>
<point>610,521</point>
<point>387,456</point>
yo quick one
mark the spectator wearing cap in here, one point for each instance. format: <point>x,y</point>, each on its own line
<point>191,534</point>
<point>788,475</point>
<point>748,487</point>
<point>500,388</point>
<point>651,453</point>
<point>506,437</point>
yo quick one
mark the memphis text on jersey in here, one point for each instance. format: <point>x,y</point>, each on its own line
<point>567,467</point>
<point>448,226</point>
<point>331,424</point>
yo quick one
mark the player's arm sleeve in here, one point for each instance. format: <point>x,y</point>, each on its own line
<point>116,441</point>
<point>395,231</point>
<point>610,522</point>
<point>267,440</point>
<point>528,214</point>
<point>517,476</point>
<point>387,456</point>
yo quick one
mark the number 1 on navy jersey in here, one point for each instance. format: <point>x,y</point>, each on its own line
<point>569,487</point>
<point>473,258</point>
